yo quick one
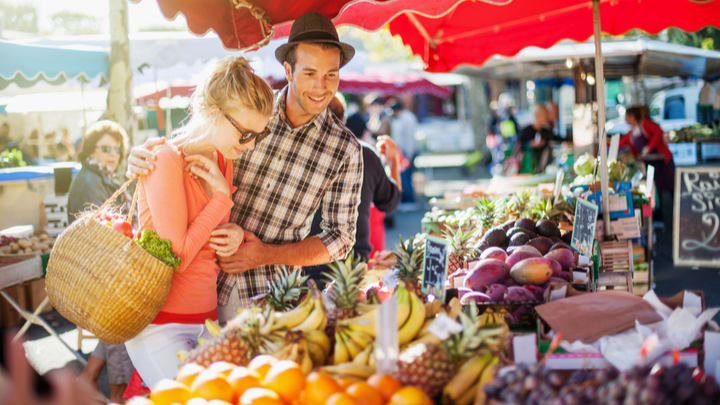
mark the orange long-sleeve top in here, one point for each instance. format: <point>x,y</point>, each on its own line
<point>179,209</point>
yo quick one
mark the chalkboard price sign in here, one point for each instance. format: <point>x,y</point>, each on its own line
<point>435,266</point>
<point>583,233</point>
<point>696,219</point>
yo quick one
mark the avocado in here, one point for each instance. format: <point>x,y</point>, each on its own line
<point>526,223</point>
<point>546,227</point>
<point>512,231</point>
<point>541,243</point>
<point>495,236</point>
<point>507,225</point>
<point>519,238</point>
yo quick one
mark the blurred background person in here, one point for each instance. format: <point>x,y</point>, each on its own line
<point>103,147</point>
<point>403,127</point>
<point>647,144</point>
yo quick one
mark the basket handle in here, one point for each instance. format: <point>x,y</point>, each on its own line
<point>115,195</point>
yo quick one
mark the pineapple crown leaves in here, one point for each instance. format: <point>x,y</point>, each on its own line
<point>473,338</point>
<point>487,212</point>
<point>409,261</point>
<point>460,241</point>
<point>344,280</point>
<point>543,209</point>
<point>286,289</point>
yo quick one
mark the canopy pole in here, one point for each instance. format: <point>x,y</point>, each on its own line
<point>600,92</point>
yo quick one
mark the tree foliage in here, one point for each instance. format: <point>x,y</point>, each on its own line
<point>18,17</point>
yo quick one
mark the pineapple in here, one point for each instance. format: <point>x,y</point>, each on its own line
<point>410,257</point>
<point>462,250</point>
<point>286,289</point>
<point>247,335</point>
<point>519,205</point>
<point>430,366</point>
<point>343,288</point>
<point>542,209</point>
<point>487,213</point>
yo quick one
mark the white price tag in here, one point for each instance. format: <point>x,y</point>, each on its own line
<point>649,193</point>
<point>443,326</point>
<point>525,349</point>
<point>559,293</point>
<point>390,279</point>
<point>558,185</point>
<point>614,146</point>
<point>387,347</point>
<point>691,300</point>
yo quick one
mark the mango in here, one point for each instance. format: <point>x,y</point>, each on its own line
<point>485,272</point>
<point>534,270</point>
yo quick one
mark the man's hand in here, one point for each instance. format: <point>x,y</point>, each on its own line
<point>141,158</point>
<point>251,254</point>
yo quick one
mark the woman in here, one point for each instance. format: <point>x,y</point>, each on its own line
<point>187,197</point>
<point>103,146</point>
<point>646,143</point>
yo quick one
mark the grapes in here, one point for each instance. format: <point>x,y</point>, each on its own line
<point>658,385</point>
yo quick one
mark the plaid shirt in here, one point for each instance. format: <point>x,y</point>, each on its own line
<point>284,180</point>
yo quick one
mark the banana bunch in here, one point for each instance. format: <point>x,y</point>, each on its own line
<point>318,345</point>
<point>349,343</point>
<point>309,315</point>
<point>410,318</point>
<point>466,387</point>
<point>492,317</point>
<point>349,370</point>
<point>296,349</point>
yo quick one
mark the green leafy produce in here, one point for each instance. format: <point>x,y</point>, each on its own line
<point>11,158</point>
<point>617,171</point>
<point>584,165</point>
<point>160,248</point>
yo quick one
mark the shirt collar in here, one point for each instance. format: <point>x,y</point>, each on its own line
<point>281,104</point>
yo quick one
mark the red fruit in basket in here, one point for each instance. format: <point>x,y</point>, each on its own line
<point>124,228</point>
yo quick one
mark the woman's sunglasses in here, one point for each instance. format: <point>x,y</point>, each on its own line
<point>109,149</point>
<point>245,135</point>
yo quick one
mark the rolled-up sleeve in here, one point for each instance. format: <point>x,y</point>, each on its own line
<point>340,206</point>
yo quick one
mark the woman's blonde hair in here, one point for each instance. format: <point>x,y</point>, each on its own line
<point>231,80</point>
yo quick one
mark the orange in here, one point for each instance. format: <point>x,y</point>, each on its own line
<point>211,385</point>
<point>215,402</point>
<point>222,367</point>
<point>241,379</point>
<point>166,392</point>
<point>365,394</point>
<point>286,378</point>
<point>188,372</point>
<point>340,398</point>
<point>346,382</point>
<point>197,401</point>
<point>386,384</point>
<point>319,387</point>
<point>261,364</point>
<point>410,396</point>
<point>260,396</point>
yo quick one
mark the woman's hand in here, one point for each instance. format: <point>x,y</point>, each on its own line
<point>226,239</point>
<point>141,157</point>
<point>386,146</point>
<point>207,170</point>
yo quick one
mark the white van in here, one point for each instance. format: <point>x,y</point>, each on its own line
<point>672,109</point>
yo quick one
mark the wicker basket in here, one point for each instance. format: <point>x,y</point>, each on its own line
<point>103,281</point>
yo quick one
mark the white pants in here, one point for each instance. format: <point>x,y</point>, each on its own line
<point>153,352</point>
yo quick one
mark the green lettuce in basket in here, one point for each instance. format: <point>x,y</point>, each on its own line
<point>160,248</point>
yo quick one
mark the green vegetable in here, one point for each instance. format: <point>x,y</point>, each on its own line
<point>617,171</point>
<point>584,165</point>
<point>11,158</point>
<point>160,248</point>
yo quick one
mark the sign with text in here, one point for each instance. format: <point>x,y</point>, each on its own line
<point>435,266</point>
<point>583,234</point>
<point>696,218</point>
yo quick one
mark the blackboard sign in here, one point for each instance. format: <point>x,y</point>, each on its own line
<point>435,266</point>
<point>696,218</point>
<point>583,233</point>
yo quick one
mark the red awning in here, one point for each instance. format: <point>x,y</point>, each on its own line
<point>475,30</point>
<point>241,27</point>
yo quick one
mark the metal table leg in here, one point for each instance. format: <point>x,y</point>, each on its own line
<point>35,318</point>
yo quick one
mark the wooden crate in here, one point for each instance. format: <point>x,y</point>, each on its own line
<point>8,315</point>
<point>35,294</point>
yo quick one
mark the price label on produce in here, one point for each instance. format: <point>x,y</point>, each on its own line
<point>614,146</point>
<point>443,327</point>
<point>386,345</point>
<point>435,267</point>
<point>558,185</point>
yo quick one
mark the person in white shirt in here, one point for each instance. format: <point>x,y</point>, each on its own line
<point>402,130</point>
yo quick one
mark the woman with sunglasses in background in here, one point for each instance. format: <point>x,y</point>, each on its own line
<point>187,198</point>
<point>103,147</point>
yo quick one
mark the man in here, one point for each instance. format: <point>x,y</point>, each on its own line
<point>307,159</point>
<point>402,129</point>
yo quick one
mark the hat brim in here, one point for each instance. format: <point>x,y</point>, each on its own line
<point>347,50</point>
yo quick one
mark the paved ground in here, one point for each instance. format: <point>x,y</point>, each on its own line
<point>46,353</point>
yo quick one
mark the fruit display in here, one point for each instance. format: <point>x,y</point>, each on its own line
<point>41,243</point>
<point>678,384</point>
<point>268,380</point>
